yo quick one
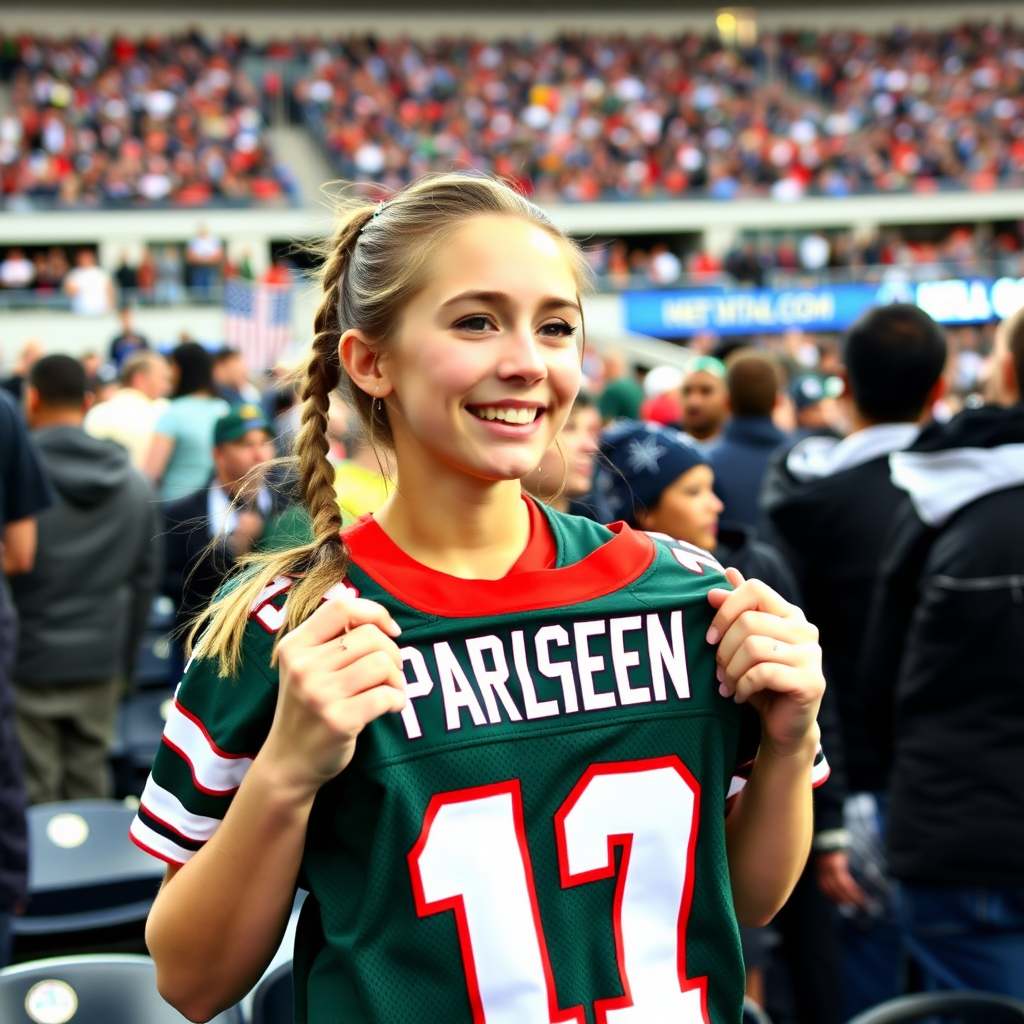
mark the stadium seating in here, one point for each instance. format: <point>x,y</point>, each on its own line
<point>95,989</point>
<point>962,1007</point>
<point>86,877</point>
<point>105,122</point>
<point>272,1000</point>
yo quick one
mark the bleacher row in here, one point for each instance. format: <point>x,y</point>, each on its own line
<point>96,121</point>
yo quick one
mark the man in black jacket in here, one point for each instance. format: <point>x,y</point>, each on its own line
<point>943,672</point>
<point>828,505</point>
<point>24,493</point>
<point>83,606</point>
<point>206,531</point>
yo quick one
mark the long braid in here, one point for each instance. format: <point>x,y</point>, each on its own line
<point>328,560</point>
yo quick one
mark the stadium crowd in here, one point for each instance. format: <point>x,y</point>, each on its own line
<point>94,120</point>
<point>835,472</point>
<point>596,117</point>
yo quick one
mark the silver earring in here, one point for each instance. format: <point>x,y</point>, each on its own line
<point>377,403</point>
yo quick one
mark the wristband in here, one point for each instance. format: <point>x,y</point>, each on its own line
<point>831,840</point>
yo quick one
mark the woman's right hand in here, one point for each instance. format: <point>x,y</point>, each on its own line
<point>339,670</point>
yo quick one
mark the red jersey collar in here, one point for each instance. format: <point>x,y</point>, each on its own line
<point>623,558</point>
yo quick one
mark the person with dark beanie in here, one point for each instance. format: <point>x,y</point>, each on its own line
<point>829,504</point>
<point>180,456</point>
<point>749,438</point>
<point>658,479</point>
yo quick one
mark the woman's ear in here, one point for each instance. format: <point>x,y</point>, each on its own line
<point>362,364</point>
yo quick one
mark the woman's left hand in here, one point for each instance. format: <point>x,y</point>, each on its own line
<point>768,654</point>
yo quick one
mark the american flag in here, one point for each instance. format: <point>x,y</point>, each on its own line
<point>258,321</point>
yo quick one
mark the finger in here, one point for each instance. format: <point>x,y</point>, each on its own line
<point>716,596</point>
<point>353,645</point>
<point>751,595</point>
<point>792,629</point>
<point>373,669</point>
<point>763,650</point>
<point>338,616</point>
<point>359,711</point>
<point>800,684</point>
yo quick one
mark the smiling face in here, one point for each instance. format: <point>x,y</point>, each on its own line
<point>567,469</point>
<point>485,365</point>
<point>688,509</point>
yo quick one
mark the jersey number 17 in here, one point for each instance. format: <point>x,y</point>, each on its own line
<point>472,859</point>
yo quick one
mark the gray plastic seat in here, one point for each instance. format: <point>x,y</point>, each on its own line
<point>95,989</point>
<point>962,1007</point>
<point>84,871</point>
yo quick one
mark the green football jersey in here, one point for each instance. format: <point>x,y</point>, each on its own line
<point>539,836</point>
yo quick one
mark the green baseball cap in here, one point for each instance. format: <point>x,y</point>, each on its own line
<point>238,422</point>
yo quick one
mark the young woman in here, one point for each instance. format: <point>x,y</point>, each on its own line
<point>498,755</point>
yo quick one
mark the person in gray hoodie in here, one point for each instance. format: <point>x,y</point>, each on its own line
<point>83,606</point>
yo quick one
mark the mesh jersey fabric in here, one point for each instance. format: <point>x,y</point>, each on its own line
<point>543,706</point>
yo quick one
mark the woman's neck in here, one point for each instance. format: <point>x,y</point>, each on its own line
<point>466,528</point>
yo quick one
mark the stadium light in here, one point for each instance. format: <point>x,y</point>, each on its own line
<point>737,27</point>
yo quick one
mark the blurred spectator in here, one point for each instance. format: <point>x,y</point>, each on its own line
<point>96,568</point>
<point>941,671</point>
<point>30,353</point>
<point>167,285</point>
<point>127,278</point>
<point>128,342</point>
<point>744,266</point>
<point>180,456</point>
<point>363,477</point>
<point>829,504</point>
<point>130,415</point>
<point>16,270</point>
<point>814,251</point>
<point>24,493</point>
<point>208,530</point>
<point>665,266</point>
<point>705,401</point>
<point>814,401</point>
<point>145,277</point>
<point>88,286</point>
<point>749,438</point>
<point>662,396</point>
<point>566,472</point>
<point>204,256</point>
<point>622,394</point>
<point>231,378</point>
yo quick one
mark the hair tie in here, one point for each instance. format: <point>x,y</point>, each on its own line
<point>376,214</point>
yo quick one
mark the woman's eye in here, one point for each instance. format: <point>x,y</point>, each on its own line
<point>474,323</point>
<point>557,329</point>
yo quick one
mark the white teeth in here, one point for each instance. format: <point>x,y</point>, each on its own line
<point>518,416</point>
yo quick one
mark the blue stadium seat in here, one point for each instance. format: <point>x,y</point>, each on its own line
<point>140,724</point>
<point>961,1007</point>
<point>153,664</point>
<point>272,1000</point>
<point>84,871</point>
<point>100,989</point>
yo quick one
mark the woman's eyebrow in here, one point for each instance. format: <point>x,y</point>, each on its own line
<point>501,299</point>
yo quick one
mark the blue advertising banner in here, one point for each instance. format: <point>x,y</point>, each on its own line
<point>680,314</point>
